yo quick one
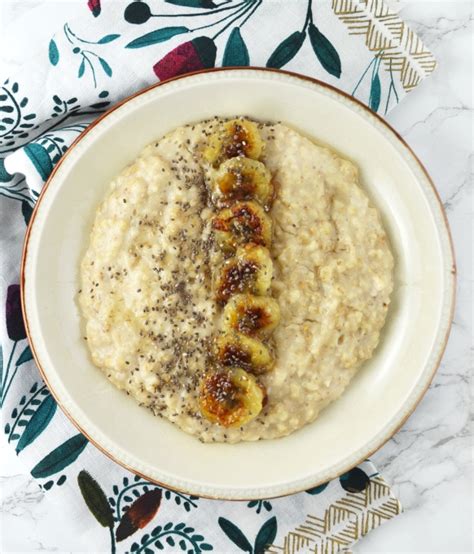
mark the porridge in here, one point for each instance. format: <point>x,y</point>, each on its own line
<point>236,278</point>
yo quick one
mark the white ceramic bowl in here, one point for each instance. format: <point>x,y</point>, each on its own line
<point>387,388</point>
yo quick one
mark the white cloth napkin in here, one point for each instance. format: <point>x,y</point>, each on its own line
<point>91,61</point>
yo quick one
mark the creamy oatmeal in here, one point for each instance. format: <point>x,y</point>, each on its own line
<point>148,281</point>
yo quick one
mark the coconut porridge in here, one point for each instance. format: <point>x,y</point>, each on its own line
<point>235,284</point>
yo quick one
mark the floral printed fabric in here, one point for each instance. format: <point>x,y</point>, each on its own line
<point>111,50</point>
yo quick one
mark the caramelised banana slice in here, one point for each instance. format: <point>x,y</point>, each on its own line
<point>250,270</point>
<point>231,397</point>
<point>234,138</point>
<point>241,179</point>
<point>242,223</point>
<point>251,315</point>
<point>234,349</point>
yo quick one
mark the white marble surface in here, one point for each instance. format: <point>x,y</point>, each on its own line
<point>429,462</point>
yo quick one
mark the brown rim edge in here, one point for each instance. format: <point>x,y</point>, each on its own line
<point>217,70</point>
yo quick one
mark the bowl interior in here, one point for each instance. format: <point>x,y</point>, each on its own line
<point>383,393</point>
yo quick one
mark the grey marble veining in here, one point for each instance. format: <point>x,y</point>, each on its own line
<point>429,460</point>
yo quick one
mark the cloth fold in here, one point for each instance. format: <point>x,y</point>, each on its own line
<point>110,50</point>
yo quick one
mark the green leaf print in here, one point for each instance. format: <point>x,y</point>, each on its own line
<point>82,68</point>
<point>20,414</point>
<point>95,499</point>
<point>235,534</point>
<point>206,50</point>
<point>40,159</point>
<point>53,52</point>
<point>266,536</point>
<point>106,67</point>
<point>171,534</point>
<point>325,51</point>
<point>25,356</point>
<point>193,3</point>
<point>259,505</point>
<point>108,38</point>
<point>155,37</point>
<point>286,50</point>
<point>4,175</point>
<point>60,457</point>
<point>38,422</point>
<point>236,52</point>
<point>375,84</point>
<point>317,490</point>
<point>375,93</point>
<point>26,210</point>
<point>49,484</point>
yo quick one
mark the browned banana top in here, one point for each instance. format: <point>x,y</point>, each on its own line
<point>242,223</point>
<point>235,277</point>
<point>241,142</point>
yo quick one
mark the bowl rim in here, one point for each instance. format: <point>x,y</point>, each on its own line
<point>302,77</point>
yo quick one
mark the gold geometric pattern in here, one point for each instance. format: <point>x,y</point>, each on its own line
<point>343,523</point>
<point>387,36</point>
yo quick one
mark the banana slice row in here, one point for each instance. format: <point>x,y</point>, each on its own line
<point>241,189</point>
